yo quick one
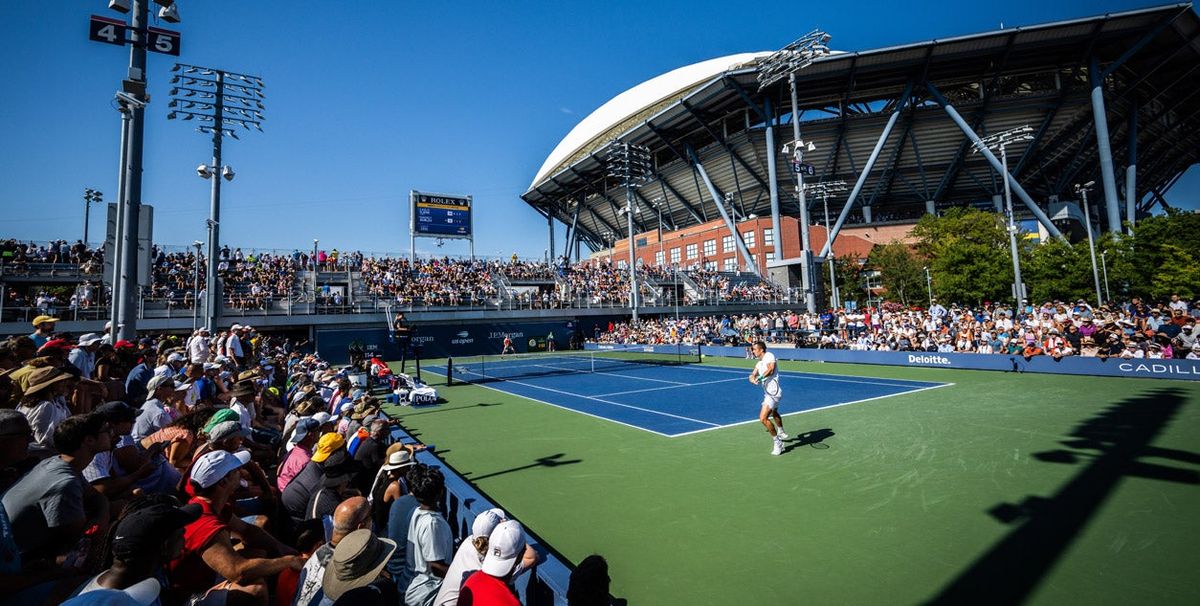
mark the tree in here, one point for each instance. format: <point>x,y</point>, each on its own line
<point>1178,274</point>
<point>1158,242</point>
<point>901,272</point>
<point>1056,270</point>
<point>968,252</point>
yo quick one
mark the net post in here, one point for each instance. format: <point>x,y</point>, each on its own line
<point>449,372</point>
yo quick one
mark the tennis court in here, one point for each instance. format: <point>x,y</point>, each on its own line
<point>665,394</point>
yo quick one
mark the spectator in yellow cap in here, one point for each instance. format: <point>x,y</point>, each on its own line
<point>43,327</point>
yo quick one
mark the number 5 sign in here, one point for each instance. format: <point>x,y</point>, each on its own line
<point>112,31</point>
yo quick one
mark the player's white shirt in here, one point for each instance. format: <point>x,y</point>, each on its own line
<point>769,383</point>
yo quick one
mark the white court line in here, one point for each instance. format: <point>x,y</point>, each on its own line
<point>798,374</point>
<point>566,408</point>
<point>619,393</point>
<point>800,412</point>
<point>576,371</point>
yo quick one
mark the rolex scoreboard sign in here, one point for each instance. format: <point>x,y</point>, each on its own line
<point>441,215</point>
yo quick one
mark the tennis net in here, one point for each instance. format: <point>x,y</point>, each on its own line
<point>495,367</point>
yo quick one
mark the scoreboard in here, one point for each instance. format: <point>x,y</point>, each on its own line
<point>441,215</point>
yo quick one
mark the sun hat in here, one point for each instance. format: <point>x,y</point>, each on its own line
<point>487,522</point>
<point>327,445</point>
<point>303,426</point>
<point>398,459</point>
<point>214,466</point>
<point>43,319</point>
<point>242,389</point>
<point>44,377</point>
<point>90,338</point>
<point>356,562</point>
<point>506,545</point>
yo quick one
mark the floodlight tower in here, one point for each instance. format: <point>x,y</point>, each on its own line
<point>1082,189</point>
<point>786,62</point>
<point>823,190</point>
<point>90,197</point>
<point>1000,142</point>
<point>631,164</point>
<point>218,99</point>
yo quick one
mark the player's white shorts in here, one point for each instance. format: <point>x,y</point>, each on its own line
<point>771,402</point>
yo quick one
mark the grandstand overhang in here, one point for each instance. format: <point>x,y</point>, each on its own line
<point>1146,61</point>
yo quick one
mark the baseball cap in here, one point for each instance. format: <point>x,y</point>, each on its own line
<point>144,530</point>
<point>176,357</point>
<point>143,593</point>
<point>117,412</point>
<point>214,466</point>
<point>322,417</point>
<point>505,546</point>
<point>303,426</point>
<point>225,429</point>
<point>158,381</point>
<point>43,320</point>
<point>327,445</point>
<point>487,522</point>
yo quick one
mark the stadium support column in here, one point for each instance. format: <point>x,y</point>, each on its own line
<point>1131,170</point>
<point>994,161</point>
<point>720,203</point>
<point>550,227</point>
<point>772,186</point>
<point>866,171</point>
<point>126,328</point>
<point>1104,148</point>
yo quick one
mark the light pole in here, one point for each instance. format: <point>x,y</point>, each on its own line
<point>823,190</point>
<point>657,204</point>
<point>1104,266</point>
<point>929,285</point>
<point>90,197</point>
<point>631,164</point>
<point>219,100</point>
<point>1001,141</point>
<point>786,62</point>
<point>1082,190</point>
<point>196,287</point>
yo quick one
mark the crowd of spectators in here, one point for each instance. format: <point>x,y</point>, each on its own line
<point>1131,330</point>
<point>232,468</point>
<point>17,256</point>
<point>435,282</point>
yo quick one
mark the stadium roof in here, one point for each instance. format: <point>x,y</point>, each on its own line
<point>713,112</point>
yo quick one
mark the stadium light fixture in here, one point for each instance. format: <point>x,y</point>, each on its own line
<point>1000,142</point>
<point>170,13</point>
<point>219,110</point>
<point>823,190</point>
<point>632,165</point>
<point>786,62</point>
<point>1082,189</point>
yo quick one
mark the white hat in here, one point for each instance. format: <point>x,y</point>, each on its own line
<point>322,417</point>
<point>505,547</point>
<point>402,458</point>
<point>214,466</point>
<point>235,327</point>
<point>176,357</point>
<point>221,360</point>
<point>90,338</point>
<point>143,593</point>
<point>211,366</point>
<point>487,522</point>
<point>345,408</point>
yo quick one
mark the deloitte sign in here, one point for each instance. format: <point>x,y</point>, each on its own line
<point>939,360</point>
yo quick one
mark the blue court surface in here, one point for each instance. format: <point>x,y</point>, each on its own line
<point>669,400</point>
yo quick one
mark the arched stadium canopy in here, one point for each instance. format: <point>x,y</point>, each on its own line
<point>713,116</point>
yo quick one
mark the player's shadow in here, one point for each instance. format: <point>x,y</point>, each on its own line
<point>815,438</point>
<point>1114,444</point>
<point>553,460</point>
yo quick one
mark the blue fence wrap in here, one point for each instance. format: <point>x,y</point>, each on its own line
<point>1187,370</point>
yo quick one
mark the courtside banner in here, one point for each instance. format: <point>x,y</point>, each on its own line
<point>1187,370</point>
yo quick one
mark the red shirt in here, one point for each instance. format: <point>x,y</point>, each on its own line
<point>483,589</point>
<point>188,573</point>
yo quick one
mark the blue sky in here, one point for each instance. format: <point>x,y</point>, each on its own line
<point>367,100</point>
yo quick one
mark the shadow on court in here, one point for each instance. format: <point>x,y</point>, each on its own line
<point>815,439</point>
<point>1108,447</point>
<point>554,460</point>
<point>437,410</point>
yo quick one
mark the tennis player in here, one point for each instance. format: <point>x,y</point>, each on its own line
<point>508,346</point>
<point>766,375</point>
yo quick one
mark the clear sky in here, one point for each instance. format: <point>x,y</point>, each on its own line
<point>367,100</point>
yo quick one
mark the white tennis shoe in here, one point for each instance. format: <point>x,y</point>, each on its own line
<point>778,449</point>
<point>782,436</point>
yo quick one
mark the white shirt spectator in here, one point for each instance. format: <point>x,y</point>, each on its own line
<point>198,349</point>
